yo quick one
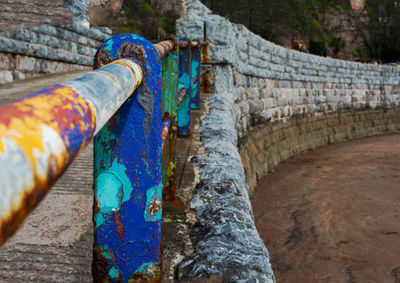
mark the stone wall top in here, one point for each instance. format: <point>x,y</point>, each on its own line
<point>252,55</point>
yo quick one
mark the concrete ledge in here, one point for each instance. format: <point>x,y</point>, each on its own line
<point>272,103</point>
<point>226,242</point>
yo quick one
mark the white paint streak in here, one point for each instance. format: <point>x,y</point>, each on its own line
<point>16,176</point>
<point>105,94</point>
<point>53,155</point>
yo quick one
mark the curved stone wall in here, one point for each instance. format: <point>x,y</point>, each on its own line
<point>268,104</point>
<point>269,144</point>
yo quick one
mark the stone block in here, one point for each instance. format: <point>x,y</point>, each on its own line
<point>18,76</point>
<point>219,31</point>
<point>6,61</point>
<point>192,28</point>
<point>6,77</point>
<point>255,106</point>
<point>244,108</point>
<point>25,63</point>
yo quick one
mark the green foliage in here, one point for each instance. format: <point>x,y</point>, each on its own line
<point>363,54</point>
<point>128,29</point>
<point>167,21</point>
<point>337,44</point>
<point>147,20</point>
<point>271,18</point>
<point>318,47</point>
<point>146,8</point>
<point>381,33</point>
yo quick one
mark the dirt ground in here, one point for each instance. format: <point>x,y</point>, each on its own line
<point>333,214</point>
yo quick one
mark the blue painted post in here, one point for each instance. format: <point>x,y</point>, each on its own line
<point>184,82</point>
<point>195,81</point>
<point>127,172</point>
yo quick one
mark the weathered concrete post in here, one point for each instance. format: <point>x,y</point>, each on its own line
<point>170,109</point>
<point>127,172</point>
<point>195,74</point>
<point>184,86</point>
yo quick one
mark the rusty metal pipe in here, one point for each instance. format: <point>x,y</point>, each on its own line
<point>41,134</point>
<point>183,44</point>
<point>164,47</point>
<point>181,95</point>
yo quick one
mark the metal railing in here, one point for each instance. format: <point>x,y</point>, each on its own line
<point>133,105</point>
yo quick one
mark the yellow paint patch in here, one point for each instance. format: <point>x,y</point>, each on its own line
<point>24,121</point>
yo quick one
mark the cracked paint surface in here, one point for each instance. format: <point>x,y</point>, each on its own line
<point>127,173</point>
<point>40,135</point>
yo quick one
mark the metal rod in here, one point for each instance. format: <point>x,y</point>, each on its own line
<point>164,47</point>
<point>41,134</point>
<point>181,95</point>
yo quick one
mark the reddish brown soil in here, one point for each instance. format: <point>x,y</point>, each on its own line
<point>333,214</point>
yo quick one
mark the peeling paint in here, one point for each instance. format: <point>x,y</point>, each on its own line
<point>195,81</point>
<point>153,209</point>
<point>184,105</point>
<point>170,84</point>
<point>130,230</point>
<point>165,129</point>
<point>112,189</point>
<point>164,47</point>
<point>170,74</point>
<point>184,83</point>
<point>40,135</point>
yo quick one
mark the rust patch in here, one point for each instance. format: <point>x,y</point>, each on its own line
<point>154,207</point>
<point>99,267</point>
<point>205,57</point>
<point>120,228</point>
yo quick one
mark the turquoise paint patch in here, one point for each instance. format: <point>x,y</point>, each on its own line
<point>102,146</point>
<point>147,268</point>
<point>113,273</point>
<point>184,81</point>
<point>109,191</point>
<point>184,118</point>
<point>153,200</point>
<point>108,45</point>
<point>195,66</point>
<point>106,254</point>
<point>112,189</point>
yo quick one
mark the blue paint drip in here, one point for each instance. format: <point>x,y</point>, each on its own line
<point>132,139</point>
